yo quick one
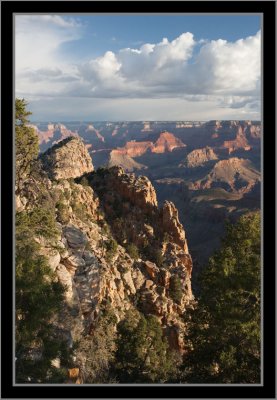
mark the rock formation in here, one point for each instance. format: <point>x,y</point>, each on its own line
<point>240,141</point>
<point>166,142</point>
<point>199,157</point>
<point>234,174</point>
<point>135,149</point>
<point>54,134</point>
<point>95,273</point>
<point>172,225</point>
<point>67,159</point>
<point>138,190</point>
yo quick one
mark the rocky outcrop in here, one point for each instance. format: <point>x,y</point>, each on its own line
<point>172,225</point>
<point>95,271</point>
<point>138,190</point>
<point>67,159</point>
<point>199,157</point>
<point>92,277</point>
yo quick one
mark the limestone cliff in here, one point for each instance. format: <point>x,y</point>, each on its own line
<point>166,142</point>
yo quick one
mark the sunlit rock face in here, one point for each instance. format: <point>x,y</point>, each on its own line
<point>67,159</point>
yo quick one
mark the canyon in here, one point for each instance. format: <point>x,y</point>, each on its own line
<point>210,170</point>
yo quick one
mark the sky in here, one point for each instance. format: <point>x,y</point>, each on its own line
<point>139,67</point>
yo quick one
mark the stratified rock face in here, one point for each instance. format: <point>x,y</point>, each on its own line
<point>199,157</point>
<point>135,149</point>
<point>234,174</point>
<point>172,225</point>
<point>68,159</point>
<point>167,142</point>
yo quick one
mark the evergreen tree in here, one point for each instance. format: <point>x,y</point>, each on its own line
<point>26,143</point>
<point>224,329</point>
<point>142,352</point>
<point>38,298</point>
<point>175,288</point>
<point>95,352</point>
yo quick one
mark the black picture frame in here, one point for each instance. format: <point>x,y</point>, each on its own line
<point>267,389</point>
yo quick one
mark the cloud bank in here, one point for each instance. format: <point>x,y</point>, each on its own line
<point>225,73</point>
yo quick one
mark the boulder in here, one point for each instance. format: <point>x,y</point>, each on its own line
<point>151,268</point>
<point>76,239</point>
<point>127,277</point>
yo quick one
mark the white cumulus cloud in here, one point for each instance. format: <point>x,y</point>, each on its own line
<point>217,72</point>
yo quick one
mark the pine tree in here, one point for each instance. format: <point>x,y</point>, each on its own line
<point>142,354</point>
<point>26,143</point>
<point>224,330</point>
<point>38,298</point>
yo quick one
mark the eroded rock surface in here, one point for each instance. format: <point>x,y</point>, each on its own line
<point>67,159</point>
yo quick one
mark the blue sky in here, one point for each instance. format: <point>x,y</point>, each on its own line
<point>131,67</point>
<point>114,32</point>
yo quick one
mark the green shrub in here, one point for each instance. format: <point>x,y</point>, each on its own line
<point>132,250</point>
<point>80,211</point>
<point>63,215</point>
<point>142,354</point>
<point>40,221</point>
<point>153,254</point>
<point>175,289</point>
<point>111,248</point>
<point>84,181</point>
<point>102,172</point>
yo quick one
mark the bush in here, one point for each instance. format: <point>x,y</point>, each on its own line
<point>119,228</point>
<point>142,354</point>
<point>80,211</point>
<point>40,221</point>
<point>153,254</point>
<point>84,181</point>
<point>63,215</point>
<point>132,250</point>
<point>111,247</point>
<point>96,352</point>
<point>38,298</point>
<point>175,289</point>
<point>102,172</point>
